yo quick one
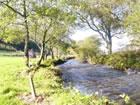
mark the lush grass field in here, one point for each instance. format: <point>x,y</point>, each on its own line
<point>10,84</point>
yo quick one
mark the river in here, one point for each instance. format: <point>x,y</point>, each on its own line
<point>100,80</point>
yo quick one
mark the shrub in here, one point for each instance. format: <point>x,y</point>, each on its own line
<point>123,60</point>
<point>53,62</point>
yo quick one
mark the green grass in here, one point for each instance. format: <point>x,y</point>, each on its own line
<point>47,83</point>
<point>10,82</point>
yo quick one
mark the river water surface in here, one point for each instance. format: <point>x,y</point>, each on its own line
<point>100,80</point>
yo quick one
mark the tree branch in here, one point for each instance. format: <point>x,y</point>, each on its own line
<point>117,33</point>
<point>2,2</point>
<point>96,29</point>
<point>36,43</point>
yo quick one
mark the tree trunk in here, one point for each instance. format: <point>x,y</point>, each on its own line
<point>109,47</point>
<point>109,42</point>
<point>52,53</point>
<point>26,50</point>
<point>42,54</point>
<point>26,47</point>
<point>32,86</point>
<point>43,48</point>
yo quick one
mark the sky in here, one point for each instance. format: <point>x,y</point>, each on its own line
<point>117,43</point>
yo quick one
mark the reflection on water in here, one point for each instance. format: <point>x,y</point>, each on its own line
<point>100,79</point>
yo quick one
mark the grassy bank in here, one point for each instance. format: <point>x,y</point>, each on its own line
<point>14,85</point>
<point>119,60</point>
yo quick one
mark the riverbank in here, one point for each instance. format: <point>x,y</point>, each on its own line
<point>124,60</point>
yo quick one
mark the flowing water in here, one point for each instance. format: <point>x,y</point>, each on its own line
<point>100,80</point>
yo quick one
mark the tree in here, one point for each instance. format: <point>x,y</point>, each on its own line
<point>20,9</point>
<point>60,44</point>
<point>9,33</point>
<point>88,48</point>
<point>102,16</point>
<point>53,23</point>
<point>132,23</point>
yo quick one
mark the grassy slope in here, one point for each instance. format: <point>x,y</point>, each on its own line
<point>47,83</point>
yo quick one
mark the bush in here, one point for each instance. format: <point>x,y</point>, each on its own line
<point>124,60</point>
<point>119,60</point>
<point>53,62</point>
<point>71,97</point>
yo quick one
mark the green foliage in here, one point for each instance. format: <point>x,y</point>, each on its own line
<point>88,48</point>
<point>53,62</point>
<point>99,59</point>
<point>129,59</point>
<point>53,12</point>
<point>132,22</point>
<point>9,32</point>
<point>127,99</point>
<point>49,62</point>
<point>75,98</point>
<point>121,60</point>
<point>13,35</point>
<point>54,21</point>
